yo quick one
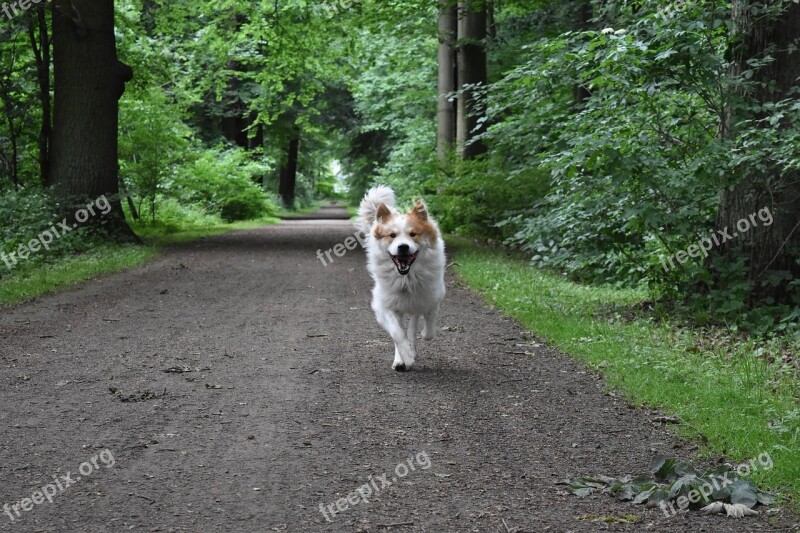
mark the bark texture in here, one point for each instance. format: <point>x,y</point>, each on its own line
<point>446,112</point>
<point>472,72</point>
<point>88,82</point>
<point>776,247</point>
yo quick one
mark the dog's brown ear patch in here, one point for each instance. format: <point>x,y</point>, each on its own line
<point>420,210</point>
<point>422,227</point>
<point>383,213</point>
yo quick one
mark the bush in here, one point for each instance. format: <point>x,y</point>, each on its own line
<point>173,216</point>
<point>244,207</point>
<point>225,183</point>
<point>480,198</point>
<point>34,211</point>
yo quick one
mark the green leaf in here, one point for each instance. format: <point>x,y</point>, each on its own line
<point>744,493</point>
<point>662,466</point>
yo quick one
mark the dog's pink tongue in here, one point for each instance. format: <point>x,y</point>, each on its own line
<point>403,263</point>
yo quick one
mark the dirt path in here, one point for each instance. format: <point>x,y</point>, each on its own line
<point>266,391</point>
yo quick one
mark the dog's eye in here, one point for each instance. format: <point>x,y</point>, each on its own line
<point>413,234</point>
<point>393,235</point>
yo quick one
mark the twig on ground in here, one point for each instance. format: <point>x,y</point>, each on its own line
<point>151,500</point>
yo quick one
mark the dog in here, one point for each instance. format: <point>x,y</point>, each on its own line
<point>406,259</point>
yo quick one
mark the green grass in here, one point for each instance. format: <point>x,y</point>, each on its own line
<point>311,209</point>
<point>157,235</point>
<point>44,278</point>
<point>31,281</point>
<point>727,394</point>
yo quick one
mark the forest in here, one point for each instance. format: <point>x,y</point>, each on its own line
<point>638,160</point>
<point>617,142</point>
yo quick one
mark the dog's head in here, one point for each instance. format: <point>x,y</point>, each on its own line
<point>404,235</point>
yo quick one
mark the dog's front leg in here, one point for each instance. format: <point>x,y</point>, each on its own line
<point>411,332</point>
<point>404,354</point>
<point>430,324</point>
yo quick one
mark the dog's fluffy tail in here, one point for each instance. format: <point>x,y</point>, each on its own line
<point>369,205</point>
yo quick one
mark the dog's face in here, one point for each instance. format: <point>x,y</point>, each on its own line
<point>404,236</point>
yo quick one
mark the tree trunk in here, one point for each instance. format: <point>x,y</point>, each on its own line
<point>775,247</point>
<point>288,172</point>
<point>234,122</point>
<point>41,52</point>
<point>89,81</point>
<point>446,112</point>
<point>584,17</point>
<point>491,20</point>
<point>472,72</point>
<point>14,132</point>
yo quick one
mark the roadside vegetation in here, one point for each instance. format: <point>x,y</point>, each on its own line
<point>736,396</point>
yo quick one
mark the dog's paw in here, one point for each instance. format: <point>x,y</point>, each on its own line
<point>428,336</point>
<point>400,367</point>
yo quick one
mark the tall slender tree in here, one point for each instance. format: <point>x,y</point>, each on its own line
<point>472,75</point>
<point>446,112</point>
<point>288,171</point>
<point>39,36</point>
<point>584,13</point>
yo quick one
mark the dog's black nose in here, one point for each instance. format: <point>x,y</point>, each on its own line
<point>402,249</point>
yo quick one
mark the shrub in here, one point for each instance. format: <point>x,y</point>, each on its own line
<point>225,183</point>
<point>34,211</point>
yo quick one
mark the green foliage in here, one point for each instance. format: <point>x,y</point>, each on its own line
<point>225,183</point>
<point>632,165</point>
<point>173,216</point>
<point>34,211</point>
<point>153,143</point>
<point>465,204</point>
<point>393,137</point>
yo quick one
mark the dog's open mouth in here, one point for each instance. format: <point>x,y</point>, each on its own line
<point>403,262</point>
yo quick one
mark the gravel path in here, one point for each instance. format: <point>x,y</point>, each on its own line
<point>236,384</point>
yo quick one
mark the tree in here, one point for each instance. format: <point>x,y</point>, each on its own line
<point>770,31</point>
<point>584,13</point>
<point>41,50</point>
<point>472,75</point>
<point>446,112</point>
<point>288,171</point>
<point>89,80</point>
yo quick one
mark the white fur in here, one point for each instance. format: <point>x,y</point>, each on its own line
<point>395,297</point>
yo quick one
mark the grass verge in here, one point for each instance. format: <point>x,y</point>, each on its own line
<point>738,399</point>
<point>158,235</point>
<point>35,280</point>
<point>43,278</point>
<point>308,210</point>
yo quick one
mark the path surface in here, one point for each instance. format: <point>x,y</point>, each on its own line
<point>238,384</point>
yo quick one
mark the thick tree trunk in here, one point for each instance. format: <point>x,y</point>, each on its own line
<point>472,72</point>
<point>446,112</point>
<point>89,81</point>
<point>775,247</point>
<point>288,173</point>
<point>41,51</point>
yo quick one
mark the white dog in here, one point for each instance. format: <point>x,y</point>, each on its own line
<point>405,257</point>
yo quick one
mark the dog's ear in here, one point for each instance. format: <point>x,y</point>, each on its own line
<point>382,214</point>
<point>420,210</point>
